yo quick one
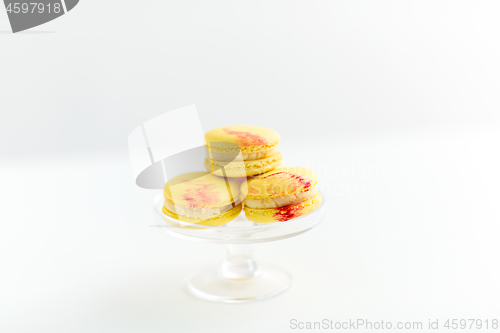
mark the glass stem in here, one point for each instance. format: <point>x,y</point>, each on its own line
<point>239,263</point>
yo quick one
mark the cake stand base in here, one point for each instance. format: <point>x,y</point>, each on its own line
<point>240,279</point>
<point>211,284</point>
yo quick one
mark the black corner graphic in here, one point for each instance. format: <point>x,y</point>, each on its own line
<point>70,4</point>
<point>25,15</point>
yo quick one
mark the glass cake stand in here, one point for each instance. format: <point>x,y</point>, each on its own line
<point>239,279</point>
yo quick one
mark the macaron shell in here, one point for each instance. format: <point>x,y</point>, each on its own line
<point>283,214</point>
<point>248,138</point>
<point>282,181</point>
<point>245,168</point>
<point>201,189</point>
<point>217,220</point>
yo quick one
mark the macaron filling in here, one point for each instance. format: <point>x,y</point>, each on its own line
<point>215,220</point>
<point>247,156</point>
<point>281,201</point>
<point>196,212</point>
<point>259,163</point>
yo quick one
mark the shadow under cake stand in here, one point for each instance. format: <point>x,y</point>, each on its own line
<point>239,279</point>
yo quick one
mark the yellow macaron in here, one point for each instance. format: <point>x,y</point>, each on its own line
<point>257,146</point>
<point>281,194</point>
<point>202,198</point>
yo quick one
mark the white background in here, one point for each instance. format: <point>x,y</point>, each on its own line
<point>394,103</point>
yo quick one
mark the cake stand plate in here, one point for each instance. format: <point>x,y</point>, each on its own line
<point>239,279</point>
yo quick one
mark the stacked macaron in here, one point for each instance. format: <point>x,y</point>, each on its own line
<point>202,198</point>
<point>281,194</point>
<point>257,146</point>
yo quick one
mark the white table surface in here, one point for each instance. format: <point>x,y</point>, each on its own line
<point>411,233</point>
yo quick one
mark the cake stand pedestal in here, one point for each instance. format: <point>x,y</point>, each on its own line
<point>239,279</point>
